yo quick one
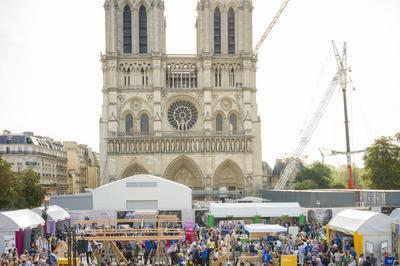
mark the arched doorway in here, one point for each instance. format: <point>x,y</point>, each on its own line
<point>184,170</point>
<point>134,169</point>
<point>229,175</point>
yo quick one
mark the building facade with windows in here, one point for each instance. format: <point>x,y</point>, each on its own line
<point>43,155</point>
<point>83,167</point>
<point>191,118</point>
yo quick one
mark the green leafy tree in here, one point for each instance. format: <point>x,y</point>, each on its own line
<point>29,192</point>
<point>338,185</point>
<point>6,185</point>
<point>305,184</point>
<point>318,173</point>
<point>382,163</point>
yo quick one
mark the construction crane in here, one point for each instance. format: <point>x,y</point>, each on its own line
<point>342,65</point>
<point>270,26</point>
<point>335,153</point>
<point>291,169</point>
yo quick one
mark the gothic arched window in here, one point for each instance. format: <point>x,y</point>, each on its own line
<point>231,31</point>
<point>142,30</point>
<point>232,77</point>
<point>233,122</point>
<point>217,31</point>
<point>219,122</point>
<point>128,124</point>
<point>127,29</point>
<point>144,124</point>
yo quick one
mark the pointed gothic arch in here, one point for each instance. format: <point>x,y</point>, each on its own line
<point>127,29</point>
<point>228,174</point>
<point>134,169</point>
<point>231,31</point>
<point>143,30</point>
<point>184,170</point>
<point>217,31</point>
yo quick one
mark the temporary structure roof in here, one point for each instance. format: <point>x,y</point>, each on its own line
<point>264,228</point>
<point>250,199</point>
<point>266,209</point>
<point>364,222</point>
<point>143,192</point>
<point>11,221</point>
<point>54,212</point>
<point>396,214</point>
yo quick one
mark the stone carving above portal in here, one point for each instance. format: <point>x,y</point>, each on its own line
<point>226,104</point>
<point>136,105</point>
<point>185,171</point>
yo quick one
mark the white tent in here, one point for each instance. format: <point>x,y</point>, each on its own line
<point>16,228</point>
<point>371,231</point>
<point>143,192</point>
<point>364,222</point>
<point>266,209</point>
<point>13,221</point>
<point>54,212</point>
<point>396,214</point>
<point>264,228</point>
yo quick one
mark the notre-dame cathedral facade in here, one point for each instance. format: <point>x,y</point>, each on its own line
<point>191,118</point>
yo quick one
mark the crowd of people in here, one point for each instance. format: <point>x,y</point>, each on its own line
<point>309,246</point>
<point>224,245</point>
<point>39,253</point>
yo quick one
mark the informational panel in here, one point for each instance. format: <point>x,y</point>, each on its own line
<point>8,242</point>
<point>188,217</point>
<point>369,248</point>
<point>293,231</point>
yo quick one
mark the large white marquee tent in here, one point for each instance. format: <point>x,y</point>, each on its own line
<point>143,192</point>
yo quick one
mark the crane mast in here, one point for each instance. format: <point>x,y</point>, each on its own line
<point>342,65</point>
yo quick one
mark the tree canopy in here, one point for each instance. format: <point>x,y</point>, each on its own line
<point>19,190</point>
<point>382,163</point>
<point>317,175</point>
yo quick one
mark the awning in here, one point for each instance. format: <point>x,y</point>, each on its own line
<point>13,221</point>
<point>264,228</point>
<point>54,213</point>
<point>363,222</point>
<point>267,209</point>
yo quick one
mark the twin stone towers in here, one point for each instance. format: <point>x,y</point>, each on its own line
<point>190,118</point>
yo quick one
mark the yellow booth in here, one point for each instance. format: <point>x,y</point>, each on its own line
<point>369,231</point>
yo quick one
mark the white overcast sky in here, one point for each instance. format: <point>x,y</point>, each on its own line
<point>51,80</point>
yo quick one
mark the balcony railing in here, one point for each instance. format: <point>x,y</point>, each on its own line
<point>34,153</point>
<point>179,134</point>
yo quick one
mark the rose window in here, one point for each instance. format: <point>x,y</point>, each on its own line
<point>182,115</point>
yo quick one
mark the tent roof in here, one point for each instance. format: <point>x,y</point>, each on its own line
<point>396,214</point>
<point>265,209</point>
<point>364,222</point>
<point>264,228</point>
<point>54,212</point>
<point>252,199</point>
<point>140,178</point>
<point>20,219</point>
